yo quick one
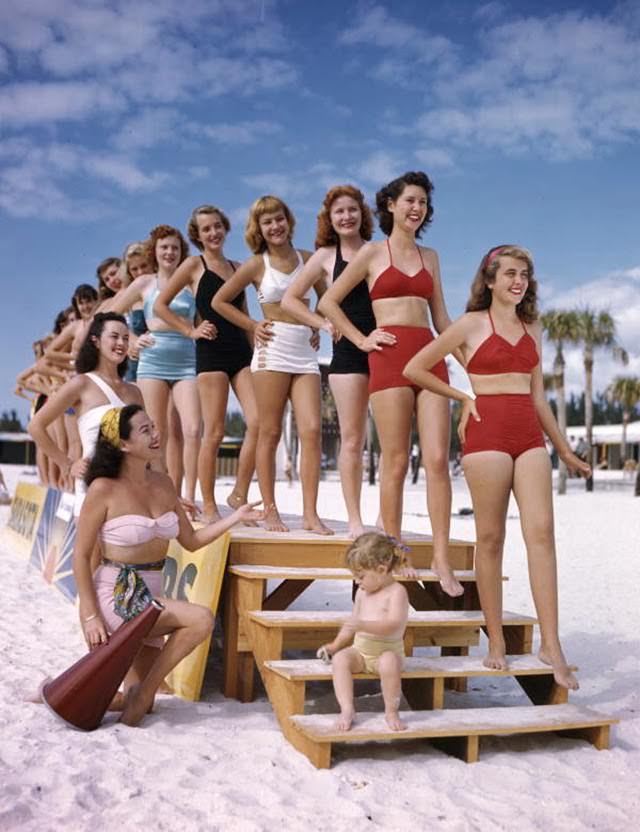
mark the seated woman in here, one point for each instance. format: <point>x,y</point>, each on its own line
<point>136,512</point>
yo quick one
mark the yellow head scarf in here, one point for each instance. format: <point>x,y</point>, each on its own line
<point>110,426</point>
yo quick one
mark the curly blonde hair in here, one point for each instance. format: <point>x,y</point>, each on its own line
<point>325,232</point>
<point>159,233</point>
<point>265,205</point>
<point>192,226</point>
<point>371,550</point>
<point>480,296</point>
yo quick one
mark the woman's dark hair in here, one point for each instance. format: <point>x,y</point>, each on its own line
<point>60,321</point>
<point>88,355</point>
<point>103,290</point>
<point>393,190</point>
<point>83,292</point>
<point>480,296</point>
<point>107,460</point>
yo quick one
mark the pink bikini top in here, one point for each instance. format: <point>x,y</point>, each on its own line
<point>133,529</point>
<point>392,283</point>
<point>496,355</point>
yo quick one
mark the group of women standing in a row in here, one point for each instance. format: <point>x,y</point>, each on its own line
<point>376,300</point>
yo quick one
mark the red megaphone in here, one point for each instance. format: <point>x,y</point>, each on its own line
<point>81,695</point>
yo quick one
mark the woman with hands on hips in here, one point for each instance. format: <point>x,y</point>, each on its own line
<point>502,435</point>
<point>284,364</point>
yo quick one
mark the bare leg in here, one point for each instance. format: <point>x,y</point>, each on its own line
<point>214,394</point>
<point>305,398</point>
<point>156,395</point>
<point>344,664</point>
<point>188,625</point>
<point>532,489</point>
<point>243,388</point>
<point>433,420</point>
<point>389,669</point>
<point>187,402</point>
<point>489,475</point>
<point>351,395</point>
<point>272,390</point>
<point>393,411</point>
<point>175,446</point>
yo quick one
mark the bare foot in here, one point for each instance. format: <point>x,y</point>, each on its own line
<point>394,722</point>
<point>448,581</point>
<point>135,707</point>
<point>344,721</point>
<point>561,673</point>
<point>234,501</point>
<point>117,703</point>
<point>355,530</point>
<point>496,660</point>
<point>314,524</point>
<point>210,513</point>
<point>272,521</point>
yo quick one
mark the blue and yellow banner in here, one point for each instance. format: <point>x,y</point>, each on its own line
<point>52,552</point>
<point>26,510</point>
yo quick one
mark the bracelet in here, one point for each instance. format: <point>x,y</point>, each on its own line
<point>90,618</point>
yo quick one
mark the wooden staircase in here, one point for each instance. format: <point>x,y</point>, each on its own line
<point>263,629</point>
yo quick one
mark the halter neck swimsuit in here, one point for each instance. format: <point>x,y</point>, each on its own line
<point>386,366</point>
<point>347,358</point>
<point>230,351</point>
<point>509,422</point>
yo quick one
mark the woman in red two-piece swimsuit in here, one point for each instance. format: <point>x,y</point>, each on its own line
<point>404,285</point>
<point>501,431</point>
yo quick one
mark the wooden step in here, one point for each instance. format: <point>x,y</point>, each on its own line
<point>423,681</point>
<point>332,619</point>
<point>458,731</point>
<point>310,573</point>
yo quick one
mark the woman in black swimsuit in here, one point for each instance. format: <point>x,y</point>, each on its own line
<point>344,225</point>
<point>222,361</point>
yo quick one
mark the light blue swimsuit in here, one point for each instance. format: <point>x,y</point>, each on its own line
<point>173,356</point>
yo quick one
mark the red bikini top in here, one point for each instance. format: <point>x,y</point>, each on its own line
<point>392,283</point>
<point>496,355</point>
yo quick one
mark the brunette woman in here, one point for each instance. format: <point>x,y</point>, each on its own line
<point>502,435</point>
<point>404,286</point>
<point>284,363</point>
<point>223,358</point>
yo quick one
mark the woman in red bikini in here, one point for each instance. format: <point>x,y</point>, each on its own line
<point>501,431</point>
<point>404,286</point>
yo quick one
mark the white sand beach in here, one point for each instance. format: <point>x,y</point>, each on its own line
<point>221,765</point>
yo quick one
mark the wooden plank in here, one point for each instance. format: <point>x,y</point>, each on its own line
<point>418,667</point>
<point>300,573</point>
<point>285,594</point>
<point>331,618</point>
<point>524,719</point>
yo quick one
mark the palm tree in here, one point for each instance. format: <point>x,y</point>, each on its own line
<point>561,327</point>
<point>596,329</point>
<point>625,391</point>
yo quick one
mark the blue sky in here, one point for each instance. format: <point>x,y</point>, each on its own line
<point>118,116</point>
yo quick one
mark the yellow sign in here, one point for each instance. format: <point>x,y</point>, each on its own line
<point>26,510</point>
<point>196,577</point>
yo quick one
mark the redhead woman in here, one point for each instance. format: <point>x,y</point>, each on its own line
<point>135,512</point>
<point>502,435</point>
<point>223,358</point>
<point>167,364</point>
<point>97,387</point>
<point>344,225</point>
<point>405,289</point>
<point>284,363</point>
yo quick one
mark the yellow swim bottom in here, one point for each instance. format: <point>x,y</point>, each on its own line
<point>371,648</point>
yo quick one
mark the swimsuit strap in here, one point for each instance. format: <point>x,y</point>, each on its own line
<point>204,263</point>
<point>420,253</point>
<point>524,327</point>
<point>493,329</point>
<point>389,250</point>
<point>112,396</point>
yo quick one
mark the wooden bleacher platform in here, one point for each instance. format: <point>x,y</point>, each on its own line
<point>259,629</point>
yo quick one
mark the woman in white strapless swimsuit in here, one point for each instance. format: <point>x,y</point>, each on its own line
<point>98,386</point>
<point>284,364</point>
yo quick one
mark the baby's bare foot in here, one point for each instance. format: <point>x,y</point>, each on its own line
<point>394,722</point>
<point>344,721</point>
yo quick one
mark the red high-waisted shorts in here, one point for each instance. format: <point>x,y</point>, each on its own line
<point>386,365</point>
<point>509,424</point>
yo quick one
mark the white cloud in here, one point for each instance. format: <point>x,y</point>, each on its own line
<point>245,132</point>
<point>435,158</point>
<point>147,128</point>
<point>381,166</point>
<point>32,103</point>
